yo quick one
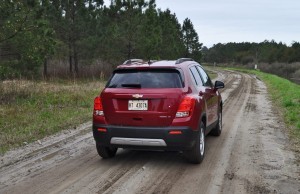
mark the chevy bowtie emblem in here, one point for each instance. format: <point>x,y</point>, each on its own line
<point>137,95</point>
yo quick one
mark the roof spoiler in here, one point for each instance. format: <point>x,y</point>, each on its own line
<point>181,60</point>
<point>135,61</point>
<point>130,61</point>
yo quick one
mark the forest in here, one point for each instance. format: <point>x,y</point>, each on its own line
<point>85,38</point>
<point>269,56</point>
<point>41,38</point>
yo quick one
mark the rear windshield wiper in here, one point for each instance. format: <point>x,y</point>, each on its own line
<point>112,86</point>
<point>131,85</point>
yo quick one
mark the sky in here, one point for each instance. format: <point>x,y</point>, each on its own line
<point>223,21</point>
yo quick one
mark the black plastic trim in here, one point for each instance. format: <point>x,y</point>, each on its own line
<point>181,142</point>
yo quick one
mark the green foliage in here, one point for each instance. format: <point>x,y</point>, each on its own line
<point>246,52</point>
<point>83,31</point>
<point>150,39</point>
<point>191,40</point>
<point>172,45</point>
<point>7,70</point>
<point>271,57</point>
<point>25,37</point>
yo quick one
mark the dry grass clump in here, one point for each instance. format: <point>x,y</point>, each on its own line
<point>31,110</point>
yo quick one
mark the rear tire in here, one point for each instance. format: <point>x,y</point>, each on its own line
<point>196,154</point>
<point>218,129</point>
<point>106,152</point>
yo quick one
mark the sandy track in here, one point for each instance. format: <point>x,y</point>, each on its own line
<point>251,156</point>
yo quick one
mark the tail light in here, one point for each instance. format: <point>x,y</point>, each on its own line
<point>186,107</point>
<point>98,108</point>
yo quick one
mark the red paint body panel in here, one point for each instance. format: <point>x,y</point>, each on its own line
<point>162,103</point>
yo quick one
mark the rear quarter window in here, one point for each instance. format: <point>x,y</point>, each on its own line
<point>156,78</point>
<point>196,76</point>
<point>205,77</point>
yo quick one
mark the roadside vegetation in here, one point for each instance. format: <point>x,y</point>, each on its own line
<point>275,58</point>
<point>38,35</point>
<point>286,96</point>
<point>212,74</point>
<point>31,110</point>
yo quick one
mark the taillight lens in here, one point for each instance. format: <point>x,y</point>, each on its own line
<point>98,108</point>
<point>186,107</point>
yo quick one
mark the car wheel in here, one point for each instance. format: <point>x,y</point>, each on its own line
<point>196,154</point>
<point>106,152</point>
<point>218,129</point>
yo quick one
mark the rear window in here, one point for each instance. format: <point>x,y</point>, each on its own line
<point>146,79</point>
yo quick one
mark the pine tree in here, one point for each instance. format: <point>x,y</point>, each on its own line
<point>191,40</point>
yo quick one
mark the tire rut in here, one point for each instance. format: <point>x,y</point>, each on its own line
<point>209,175</point>
<point>22,157</point>
<point>43,160</point>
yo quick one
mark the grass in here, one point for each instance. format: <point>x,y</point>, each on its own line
<point>211,72</point>
<point>32,110</point>
<point>212,75</point>
<point>286,96</point>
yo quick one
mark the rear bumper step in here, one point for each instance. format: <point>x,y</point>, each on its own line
<point>137,141</point>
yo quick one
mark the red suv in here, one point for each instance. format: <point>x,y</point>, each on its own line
<point>158,105</point>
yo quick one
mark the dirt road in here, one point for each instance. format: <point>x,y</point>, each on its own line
<point>251,156</point>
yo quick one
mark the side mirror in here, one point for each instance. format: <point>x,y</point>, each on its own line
<point>219,85</point>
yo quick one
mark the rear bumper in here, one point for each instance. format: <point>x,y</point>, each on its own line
<point>151,138</point>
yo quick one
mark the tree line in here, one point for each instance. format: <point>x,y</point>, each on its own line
<point>268,56</point>
<point>80,32</point>
<point>244,53</point>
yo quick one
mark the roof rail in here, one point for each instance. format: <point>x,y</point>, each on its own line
<point>130,61</point>
<point>181,60</point>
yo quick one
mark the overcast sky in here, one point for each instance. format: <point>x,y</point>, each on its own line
<point>239,20</point>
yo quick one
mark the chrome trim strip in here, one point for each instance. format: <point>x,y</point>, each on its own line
<point>137,141</point>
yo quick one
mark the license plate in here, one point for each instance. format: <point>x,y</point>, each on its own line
<point>138,105</point>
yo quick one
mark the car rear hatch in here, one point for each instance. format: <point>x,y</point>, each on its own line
<point>142,97</point>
